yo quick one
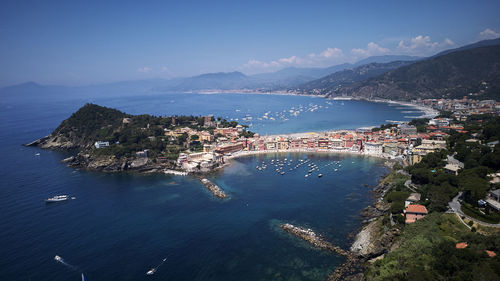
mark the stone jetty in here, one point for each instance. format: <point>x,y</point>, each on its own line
<point>316,240</point>
<point>215,189</point>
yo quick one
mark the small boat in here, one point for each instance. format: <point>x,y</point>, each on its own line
<point>57,198</point>
<point>320,175</point>
<point>306,175</point>
<point>83,278</point>
<point>58,258</point>
<point>154,269</point>
<point>282,173</point>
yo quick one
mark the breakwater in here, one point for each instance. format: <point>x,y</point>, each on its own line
<point>316,240</point>
<point>215,189</point>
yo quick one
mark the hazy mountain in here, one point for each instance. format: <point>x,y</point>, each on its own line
<point>339,79</point>
<point>386,59</point>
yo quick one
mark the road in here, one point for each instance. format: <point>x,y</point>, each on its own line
<point>455,206</point>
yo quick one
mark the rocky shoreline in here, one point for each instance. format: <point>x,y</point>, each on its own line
<point>370,243</point>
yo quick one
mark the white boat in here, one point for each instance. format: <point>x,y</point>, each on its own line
<point>320,175</point>
<point>154,269</point>
<point>57,198</point>
<point>58,258</point>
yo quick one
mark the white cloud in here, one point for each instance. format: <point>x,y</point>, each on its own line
<point>488,34</point>
<point>145,69</point>
<point>422,46</point>
<point>418,46</point>
<point>372,49</point>
<point>327,57</point>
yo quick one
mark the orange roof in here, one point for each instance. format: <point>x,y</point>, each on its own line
<point>415,208</point>
<point>410,218</point>
<point>461,245</point>
<point>491,254</point>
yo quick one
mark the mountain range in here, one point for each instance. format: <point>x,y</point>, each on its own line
<point>472,68</point>
<point>469,70</point>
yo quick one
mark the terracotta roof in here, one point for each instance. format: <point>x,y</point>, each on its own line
<point>415,208</point>
<point>491,254</point>
<point>461,245</point>
<point>410,218</point>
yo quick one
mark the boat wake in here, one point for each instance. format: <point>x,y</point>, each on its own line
<point>154,269</point>
<point>60,260</point>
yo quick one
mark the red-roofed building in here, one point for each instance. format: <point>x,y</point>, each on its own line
<point>414,212</point>
<point>461,245</point>
<point>491,254</point>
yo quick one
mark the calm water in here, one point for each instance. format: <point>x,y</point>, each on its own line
<point>121,225</point>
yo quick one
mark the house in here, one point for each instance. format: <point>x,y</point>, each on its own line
<point>101,144</point>
<point>452,169</point>
<point>414,212</point>
<point>142,153</point>
<point>461,245</point>
<point>493,199</point>
<point>414,197</point>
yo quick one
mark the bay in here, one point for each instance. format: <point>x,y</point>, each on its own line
<point>121,225</point>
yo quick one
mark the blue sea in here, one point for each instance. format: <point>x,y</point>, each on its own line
<point>121,225</point>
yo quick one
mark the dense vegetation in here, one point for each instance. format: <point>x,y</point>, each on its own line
<point>428,252</point>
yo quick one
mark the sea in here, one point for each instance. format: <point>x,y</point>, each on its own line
<point>119,226</point>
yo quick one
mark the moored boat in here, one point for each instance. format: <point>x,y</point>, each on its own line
<point>57,198</point>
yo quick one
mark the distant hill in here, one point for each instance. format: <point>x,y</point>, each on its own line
<point>340,79</point>
<point>483,43</point>
<point>386,59</point>
<point>451,75</point>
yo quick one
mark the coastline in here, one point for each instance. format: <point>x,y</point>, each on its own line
<point>428,112</point>
<point>263,152</point>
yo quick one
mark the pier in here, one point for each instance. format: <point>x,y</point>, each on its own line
<point>310,236</point>
<point>215,189</point>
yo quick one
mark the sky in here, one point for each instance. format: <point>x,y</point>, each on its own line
<point>92,42</point>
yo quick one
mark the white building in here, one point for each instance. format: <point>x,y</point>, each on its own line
<point>101,144</point>
<point>373,148</point>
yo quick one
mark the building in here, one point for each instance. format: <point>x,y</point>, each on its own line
<point>414,197</point>
<point>373,148</point>
<point>229,148</point>
<point>101,144</point>
<point>452,169</point>
<point>407,129</point>
<point>142,153</point>
<point>493,199</point>
<point>414,212</point>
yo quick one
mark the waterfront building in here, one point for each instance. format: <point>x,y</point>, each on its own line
<point>373,148</point>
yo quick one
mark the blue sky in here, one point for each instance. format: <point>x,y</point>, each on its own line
<point>87,42</point>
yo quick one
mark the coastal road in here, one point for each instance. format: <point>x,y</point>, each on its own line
<point>455,206</point>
